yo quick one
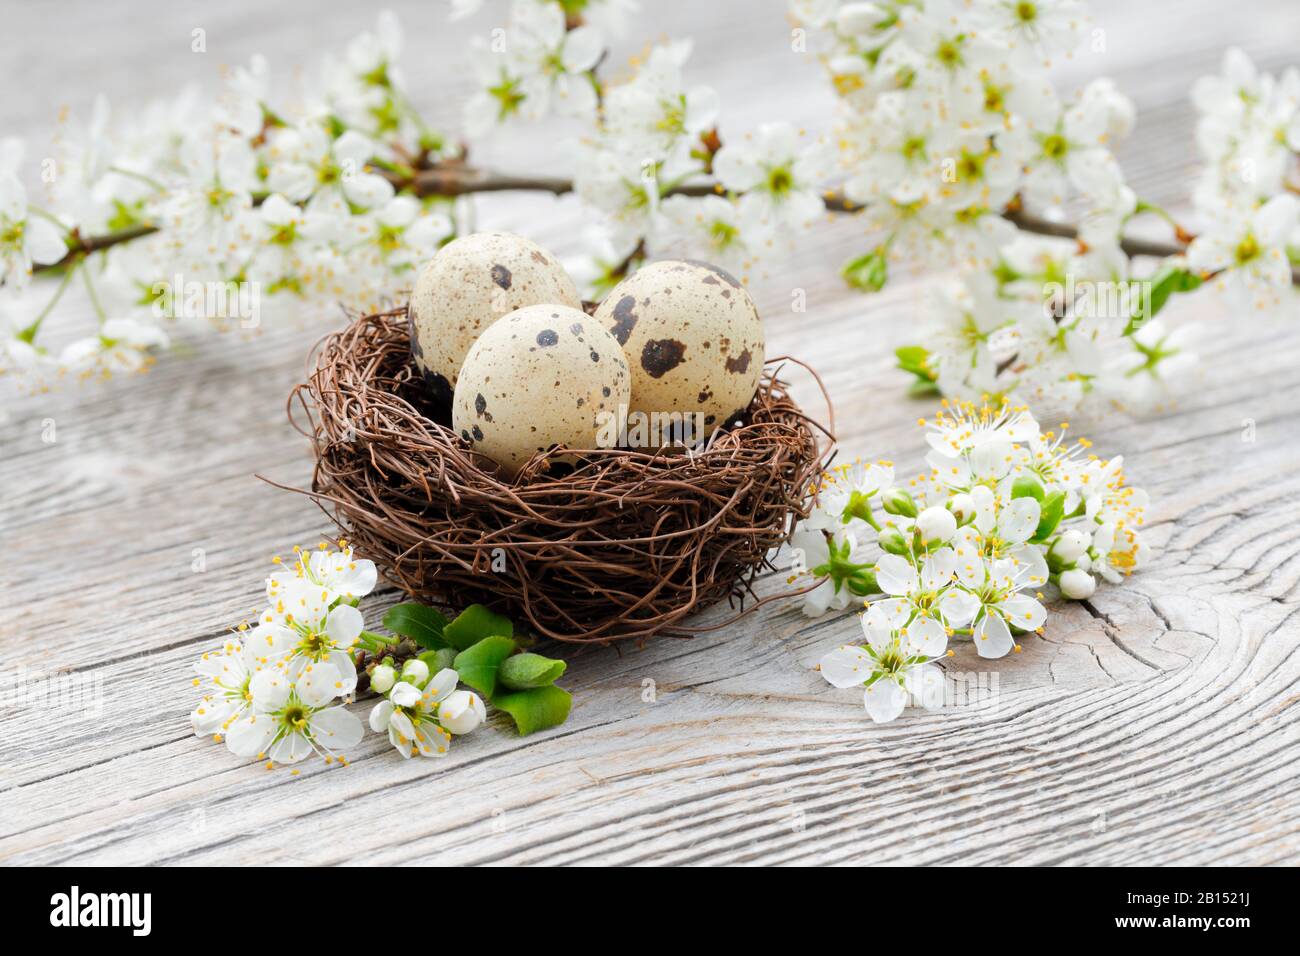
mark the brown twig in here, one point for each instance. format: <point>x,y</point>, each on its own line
<point>454,178</point>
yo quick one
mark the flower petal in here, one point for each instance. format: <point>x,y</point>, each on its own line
<point>440,686</point>
<point>924,686</point>
<point>432,740</point>
<point>884,701</point>
<point>404,694</point>
<point>1024,612</point>
<point>926,636</point>
<point>847,666</point>
<point>44,241</point>
<point>958,607</point>
<point>1019,520</point>
<point>895,574</point>
<point>344,625</point>
<point>290,749</point>
<point>379,716</point>
<point>319,683</point>
<point>582,48</point>
<point>992,637</point>
<point>336,728</point>
<point>250,735</point>
<point>270,689</point>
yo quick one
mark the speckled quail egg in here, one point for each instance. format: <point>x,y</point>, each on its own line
<point>471,283</point>
<point>541,376</point>
<point>692,337</point>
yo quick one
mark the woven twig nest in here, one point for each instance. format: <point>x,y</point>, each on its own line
<point>624,544</point>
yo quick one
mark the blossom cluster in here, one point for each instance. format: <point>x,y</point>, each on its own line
<point>951,142</point>
<point>1006,512</point>
<point>649,162</point>
<point>948,116</point>
<point>236,209</point>
<point>950,129</point>
<point>278,690</point>
<point>1248,135</point>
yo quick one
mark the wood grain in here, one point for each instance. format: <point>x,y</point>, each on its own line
<point>1154,724</point>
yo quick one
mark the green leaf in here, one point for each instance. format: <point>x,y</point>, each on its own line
<point>440,659</point>
<point>421,624</point>
<point>475,623</point>
<point>915,359</point>
<point>922,388</point>
<point>526,671</point>
<point>1027,486</point>
<point>535,709</point>
<point>868,273</point>
<point>912,358</point>
<point>477,665</point>
<point>1050,516</point>
<point>1156,292</point>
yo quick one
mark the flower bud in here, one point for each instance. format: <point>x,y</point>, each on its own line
<point>1070,545</point>
<point>1077,585</point>
<point>461,712</point>
<point>862,582</point>
<point>898,502</point>
<point>416,671</point>
<point>891,541</point>
<point>962,506</point>
<point>382,678</point>
<point>936,524</point>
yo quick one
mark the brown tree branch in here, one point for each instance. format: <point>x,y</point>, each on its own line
<point>454,178</point>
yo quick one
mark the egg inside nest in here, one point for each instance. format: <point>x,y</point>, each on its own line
<point>693,339</point>
<point>470,284</point>
<point>542,376</point>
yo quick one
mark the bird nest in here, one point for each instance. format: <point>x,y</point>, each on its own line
<point>608,545</point>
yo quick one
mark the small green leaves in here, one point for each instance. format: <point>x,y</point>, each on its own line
<point>477,665</point>
<point>868,273</point>
<point>1027,486</point>
<point>479,644</point>
<point>915,359</point>
<point>475,623</point>
<point>536,709</point>
<point>1049,517</point>
<point>440,659</point>
<point>1156,292</point>
<point>421,624</point>
<point>529,671</point>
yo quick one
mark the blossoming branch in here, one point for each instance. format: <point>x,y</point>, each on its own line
<point>951,142</point>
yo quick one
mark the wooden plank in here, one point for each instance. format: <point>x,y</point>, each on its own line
<point>1156,724</point>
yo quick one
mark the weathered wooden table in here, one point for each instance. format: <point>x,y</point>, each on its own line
<point>1154,724</point>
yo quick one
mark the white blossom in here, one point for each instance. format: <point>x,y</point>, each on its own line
<point>892,666</point>
<point>421,712</point>
<point>290,719</point>
<point>25,237</point>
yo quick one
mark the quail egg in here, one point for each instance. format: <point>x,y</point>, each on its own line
<point>471,283</point>
<point>693,340</point>
<point>544,375</point>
